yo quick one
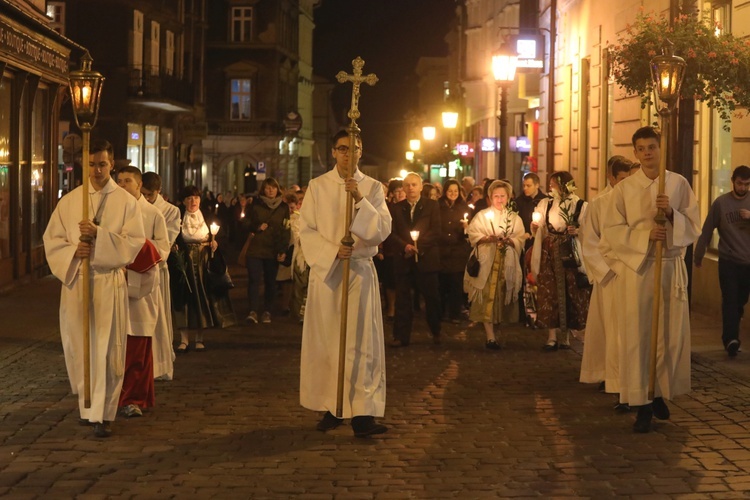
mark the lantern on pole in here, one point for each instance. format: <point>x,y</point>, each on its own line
<point>667,73</point>
<point>504,71</point>
<point>85,92</point>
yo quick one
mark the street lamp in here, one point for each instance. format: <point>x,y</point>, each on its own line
<point>428,133</point>
<point>667,72</point>
<point>85,91</point>
<point>415,144</point>
<point>504,71</point>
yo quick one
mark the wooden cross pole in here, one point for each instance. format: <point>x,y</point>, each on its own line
<point>354,131</point>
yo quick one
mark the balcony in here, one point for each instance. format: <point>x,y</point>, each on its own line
<point>250,127</point>
<point>159,90</point>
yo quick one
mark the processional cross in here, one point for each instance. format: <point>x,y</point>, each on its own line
<point>357,79</point>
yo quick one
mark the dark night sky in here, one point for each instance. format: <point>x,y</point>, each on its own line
<point>391,36</point>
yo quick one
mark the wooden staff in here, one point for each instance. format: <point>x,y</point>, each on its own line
<point>661,220</point>
<point>85,269</point>
<point>354,131</point>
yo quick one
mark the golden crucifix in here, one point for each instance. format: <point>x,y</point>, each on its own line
<point>357,79</point>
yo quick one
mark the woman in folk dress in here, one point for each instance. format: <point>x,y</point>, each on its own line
<point>498,234</point>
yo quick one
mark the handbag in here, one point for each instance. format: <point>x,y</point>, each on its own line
<point>569,254</point>
<point>243,252</point>
<point>472,266</point>
<point>217,275</point>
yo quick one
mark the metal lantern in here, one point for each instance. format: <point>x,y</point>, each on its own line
<point>85,91</point>
<point>667,73</point>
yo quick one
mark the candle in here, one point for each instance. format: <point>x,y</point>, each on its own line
<point>490,215</point>
<point>466,216</point>
<point>214,228</point>
<point>471,206</point>
<point>536,217</point>
<point>415,237</point>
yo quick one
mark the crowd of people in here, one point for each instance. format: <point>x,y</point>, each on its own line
<point>462,253</point>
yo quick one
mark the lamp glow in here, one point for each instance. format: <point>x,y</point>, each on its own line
<point>409,156</point>
<point>414,144</point>
<point>428,133</point>
<point>450,119</point>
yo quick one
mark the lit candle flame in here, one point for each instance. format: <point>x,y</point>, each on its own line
<point>536,217</point>
<point>414,235</point>
<point>214,228</point>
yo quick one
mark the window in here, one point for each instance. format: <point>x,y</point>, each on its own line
<point>150,152</point>
<point>155,38</point>
<point>136,47</point>
<point>169,56</point>
<point>721,140</point>
<point>242,22</point>
<point>135,142</point>
<point>5,140</point>
<point>38,166</point>
<point>56,12</point>
<point>240,100</point>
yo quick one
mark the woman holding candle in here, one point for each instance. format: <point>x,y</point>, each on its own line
<point>562,301</point>
<point>497,233</point>
<point>269,221</point>
<point>454,249</point>
<point>193,305</point>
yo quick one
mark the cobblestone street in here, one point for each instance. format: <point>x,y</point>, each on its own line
<point>464,422</point>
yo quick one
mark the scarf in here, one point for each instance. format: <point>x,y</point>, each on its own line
<point>194,228</point>
<point>271,202</point>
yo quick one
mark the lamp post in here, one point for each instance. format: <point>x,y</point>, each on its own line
<point>450,122</point>
<point>504,71</point>
<point>85,92</point>
<point>667,72</point>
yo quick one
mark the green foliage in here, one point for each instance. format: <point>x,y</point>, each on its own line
<point>718,66</point>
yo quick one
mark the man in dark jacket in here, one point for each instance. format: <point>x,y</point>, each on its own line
<point>527,201</point>
<point>415,261</point>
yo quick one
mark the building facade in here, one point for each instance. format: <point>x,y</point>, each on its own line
<point>34,65</point>
<point>151,55</point>
<point>259,93</point>
<point>574,114</point>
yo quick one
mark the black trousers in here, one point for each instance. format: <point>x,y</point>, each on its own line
<point>429,287</point>
<point>451,294</point>
<point>734,281</point>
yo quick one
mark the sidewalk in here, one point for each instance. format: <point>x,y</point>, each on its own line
<point>464,423</point>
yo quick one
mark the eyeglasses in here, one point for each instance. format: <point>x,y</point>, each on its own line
<point>345,149</point>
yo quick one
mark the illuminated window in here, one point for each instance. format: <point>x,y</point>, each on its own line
<point>242,23</point>
<point>240,99</point>
<point>56,12</point>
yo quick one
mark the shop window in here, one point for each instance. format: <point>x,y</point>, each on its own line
<point>5,91</point>
<point>39,166</point>
<point>240,99</point>
<point>150,148</point>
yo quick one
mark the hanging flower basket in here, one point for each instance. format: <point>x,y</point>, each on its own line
<point>718,64</point>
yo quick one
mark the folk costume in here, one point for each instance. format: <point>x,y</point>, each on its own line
<point>626,228</point>
<point>493,293</point>
<point>163,350</point>
<point>562,302</point>
<point>321,229</point>
<point>119,238</point>
<point>144,300</point>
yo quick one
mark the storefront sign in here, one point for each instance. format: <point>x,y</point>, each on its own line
<point>520,144</point>
<point>489,144</point>
<point>530,50</point>
<point>465,149</point>
<point>23,48</point>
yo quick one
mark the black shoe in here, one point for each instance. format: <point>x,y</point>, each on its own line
<point>602,387</point>
<point>660,408</point>
<point>102,429</point>
<point>328,422</point>
<point>397,343</point>
<point>492,345</point>
<point>643,420</point>
<point>436,339</point>
<point>622,407</point>
<point>84,422</point>
<point>366,426</point>
<point>550,346</point>
<point>732,347</point>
